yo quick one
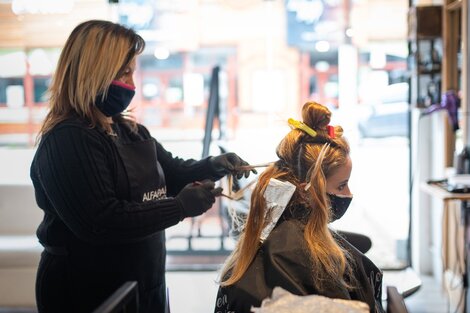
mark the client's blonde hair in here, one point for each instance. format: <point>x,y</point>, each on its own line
<point>301,161</point>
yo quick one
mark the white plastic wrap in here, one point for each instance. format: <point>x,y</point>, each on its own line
<point>283,301</point>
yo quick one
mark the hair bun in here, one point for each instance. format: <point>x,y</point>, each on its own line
<point>315,115</point>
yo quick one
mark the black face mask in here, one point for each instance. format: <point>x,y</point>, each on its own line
<point>117,100</point>
<point>339,205</point>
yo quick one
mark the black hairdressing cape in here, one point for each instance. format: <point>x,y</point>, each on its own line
<point>283,260</point>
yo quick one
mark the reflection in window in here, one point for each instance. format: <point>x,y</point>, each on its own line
<point>193,89</point>
<point>210,56</point>
<point>268,92</point>
<point>11,92</point>
<point>12,64</point>
<point>331,87</point>
<point>149,62</point>
<point>312,90</point>
<point>174,92</point>
<point>40,89</point>
<point>42,61</point>
<point>151,88</point>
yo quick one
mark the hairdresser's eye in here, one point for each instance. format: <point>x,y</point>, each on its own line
<point>128,71</point>
<point>342,186</point>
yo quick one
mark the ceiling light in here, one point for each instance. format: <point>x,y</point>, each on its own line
<point>161,53</point>
<point>322,46</point>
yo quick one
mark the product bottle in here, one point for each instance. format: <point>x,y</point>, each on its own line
<point>463,161</point>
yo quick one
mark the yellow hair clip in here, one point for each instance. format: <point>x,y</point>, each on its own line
<point>302,126</point>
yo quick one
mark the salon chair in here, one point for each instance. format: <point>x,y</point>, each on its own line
<point>395,301</point>
<point>359,241</point>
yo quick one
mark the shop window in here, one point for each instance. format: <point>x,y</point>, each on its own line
<point>193,89</point>
<point>11,92</point>
<point>42,61</point>
<point>151,88</point>
<point>174,92</point>
<point>268,92</point>
<point>12,63</point>
<point>211,56</point>
<point>41,84</point>
<point>312,89</point>
<point>150,63</point>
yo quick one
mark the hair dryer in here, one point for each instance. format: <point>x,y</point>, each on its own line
<point>450,102</point>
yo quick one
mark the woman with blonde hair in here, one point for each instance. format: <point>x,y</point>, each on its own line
<point>107,188</point>
<point>286,240</point>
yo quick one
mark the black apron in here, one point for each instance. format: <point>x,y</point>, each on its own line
<point>146,183</point>
<point>83,277</point>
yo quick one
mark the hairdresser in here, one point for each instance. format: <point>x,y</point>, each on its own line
<point>107,188</point>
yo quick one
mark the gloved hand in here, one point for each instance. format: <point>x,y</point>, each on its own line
<point>198,197</point>
<point>230,163</point>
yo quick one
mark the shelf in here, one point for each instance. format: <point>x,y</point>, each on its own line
<point>415,37</point>
<point>429,72</point>
<point>424,22</point>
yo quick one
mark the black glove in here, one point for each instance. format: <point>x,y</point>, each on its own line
<point>230,163</point>
<point>198,197</point>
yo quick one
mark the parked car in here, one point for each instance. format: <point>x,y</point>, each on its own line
<point>389,116</point>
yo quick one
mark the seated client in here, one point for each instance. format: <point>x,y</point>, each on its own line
<point>286,240</point>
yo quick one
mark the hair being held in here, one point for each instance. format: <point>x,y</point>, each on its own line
<point>304,160</point>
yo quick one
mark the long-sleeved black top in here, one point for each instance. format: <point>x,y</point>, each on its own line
<point>102,226</point>
<point>75,173</point>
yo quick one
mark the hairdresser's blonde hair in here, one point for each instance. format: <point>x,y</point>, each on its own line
<point>96,53</point>
<point>301,162</point>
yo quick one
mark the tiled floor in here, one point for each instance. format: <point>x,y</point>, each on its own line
<point>430,298</point>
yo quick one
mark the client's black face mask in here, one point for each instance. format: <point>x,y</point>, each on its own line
<point>339,205</point>
<point>117,100</point>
